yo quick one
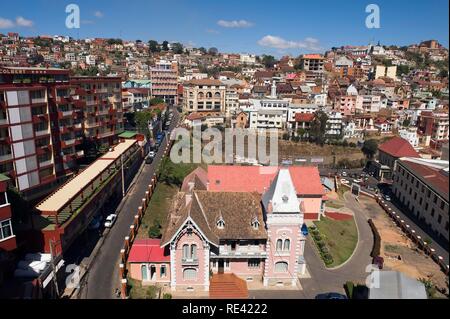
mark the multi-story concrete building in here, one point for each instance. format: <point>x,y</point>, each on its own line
<point>334,128</point>
<point>205,95</point>
<point>164,78</point>
<point>313,65</point>
<point>44,118</point>
<point>433,125</point>
<point>422,187</point>
<point>7,237</point>
<point>231,101</point>
<point>410,134</point>
<point>102,109</point>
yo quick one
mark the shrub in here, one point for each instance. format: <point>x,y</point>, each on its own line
<point>320,244</point>
<point>317,237</point>
<point>154,231</point>
<point>325,250</point>
<point>167,296</point>
<point>151,292</point>
<point>328,259</point>
<point>376,240</point>
<point>349,289</point>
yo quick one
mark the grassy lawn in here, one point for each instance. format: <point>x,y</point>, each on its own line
<point>334,204</point>
<point>170,181</point>
<point>340,237</point>
<point>342,189</point>
<point>137,291</point>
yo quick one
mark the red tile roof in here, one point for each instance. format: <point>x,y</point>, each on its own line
<point>257,179</point>
<point>398,147</point>
<point>304,117</point>
<point>435,177</point>
<point>147,250</point>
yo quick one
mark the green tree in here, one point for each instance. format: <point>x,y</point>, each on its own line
<point>370,148</point>
<point>177,48</point>
<point>156,101</point>
<point>402,69</point>
<point>406,122</point>
<point>268,61</point>
<point>443,73</point>
<point>318,128</point>
<point>142,119</point>
<point>202,50</point>
<point>165,46</point>
<point>153,46</point>
<point>213,51</point>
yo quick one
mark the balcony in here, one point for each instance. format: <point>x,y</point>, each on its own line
<point>79,154</point>
<point>38,118</point>
<point>189,261</point>
<point>63,114</point>
<point>66,143</point>
<point>92,124</point>
<point>105,134</point>
<point>5,157</point>
<point>241,252</point>
<point>45,163</point>
<point>78,126</point>
<point>65,129</point>
<point>63,99</point>
<point>40,100</point>
<point>42,132</point>
<point>102,112</point>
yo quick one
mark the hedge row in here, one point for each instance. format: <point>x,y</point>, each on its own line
<point>322,246</point>
<point>376,240</point>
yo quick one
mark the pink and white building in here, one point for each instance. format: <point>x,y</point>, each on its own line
<point>215,228</point>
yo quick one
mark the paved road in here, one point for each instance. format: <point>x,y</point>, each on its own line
<point>103,275</point>
<point>331,280</point>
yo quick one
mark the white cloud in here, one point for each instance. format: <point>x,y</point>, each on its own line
<point>98,14</point>
<point>212,31</point>
<point>22,22</point>
<point>271,41</point>
<point>235,24</point>
<point>6,23</point>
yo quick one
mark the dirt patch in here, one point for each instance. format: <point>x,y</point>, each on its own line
<point>399,252</point>
<point>338,216</point>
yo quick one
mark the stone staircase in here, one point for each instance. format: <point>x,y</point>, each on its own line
<point>227,286</point>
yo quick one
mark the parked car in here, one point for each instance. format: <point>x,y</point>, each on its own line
<point>148,160</point>
<point>358,181</point>
<point>151,154</point>
<point>344,174</point>
<point>110,220</point>
<point>387,197</point>
<point>331,295</point>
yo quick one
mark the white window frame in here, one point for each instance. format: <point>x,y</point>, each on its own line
<point>2,238</point>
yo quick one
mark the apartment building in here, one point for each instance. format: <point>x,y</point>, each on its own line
<point>204,95</point>
<point>231,101</point>
<point>102,112</point>
<point>7,237</point>
<point>313,65</point>
<point>44,117</point>
<point>433,125</point>
<point>164,79</point>
<point>422,187</point>
<point>334,127</point>
<point>38,128</point>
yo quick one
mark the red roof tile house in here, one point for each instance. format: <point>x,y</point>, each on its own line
<point>246,226</point>
<point>389,152</point>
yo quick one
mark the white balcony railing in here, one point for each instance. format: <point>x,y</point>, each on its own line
<point>40,133</point>
<point>38,100</point>
<point>45,163</point>
<point>69,142</point>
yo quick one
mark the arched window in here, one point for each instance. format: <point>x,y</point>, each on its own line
<point>191,94</point>
<point>279,245</point>
<point>144,274</point>
<point>287,245</point>
<point>162,271</point>
<point>200,95</point>
<point>194,251</point>
<point>185,251</point>
<point>208,95</point>
<point>281,267</point>
<point>217,95</point>
<point>189,274</point>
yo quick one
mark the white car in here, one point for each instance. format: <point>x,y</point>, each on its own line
<point>357,181</point>
<point>344,174</point>
<point>110,220</point>
<point>151,154</point>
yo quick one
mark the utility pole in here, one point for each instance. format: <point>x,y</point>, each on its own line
<point>55,280</point>
<point>123,177</point>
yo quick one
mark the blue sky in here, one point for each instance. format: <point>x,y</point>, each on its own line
<point>271,27</point>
